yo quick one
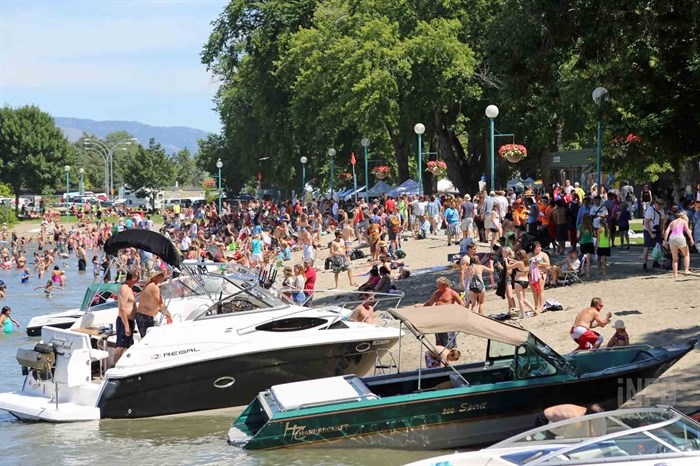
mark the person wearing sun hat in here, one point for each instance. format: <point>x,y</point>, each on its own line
<point>653,219</point>
<point>151,303</point>
<point>620,338</point>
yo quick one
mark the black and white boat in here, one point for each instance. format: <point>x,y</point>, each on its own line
<point>229,340</point>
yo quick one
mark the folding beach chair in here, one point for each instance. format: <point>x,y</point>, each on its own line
<point>569,277</point>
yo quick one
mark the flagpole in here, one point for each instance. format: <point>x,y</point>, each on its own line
<point>354,180</point>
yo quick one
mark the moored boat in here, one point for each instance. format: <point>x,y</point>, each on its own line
<point>230,339</point>
<point>449,407</point>
<point>96,294</point>
<point>624,437</point>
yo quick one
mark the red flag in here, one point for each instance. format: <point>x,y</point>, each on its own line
<point>352,158</point>
<point>259,176</point>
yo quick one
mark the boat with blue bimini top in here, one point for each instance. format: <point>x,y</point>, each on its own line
<point>447,407</point>
<point>624,437</point>
<point>103,295</point>
<point>229,339</point>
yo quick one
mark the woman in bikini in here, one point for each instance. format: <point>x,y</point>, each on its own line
<point>520,281</point>
<point>539,269</point>
<point>477,287</point>
<point>506,254</point>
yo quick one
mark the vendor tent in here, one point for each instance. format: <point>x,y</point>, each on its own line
<point>348,194</point>
<point>379,189</point>
<point>445,186</point>
<point>409,187</point>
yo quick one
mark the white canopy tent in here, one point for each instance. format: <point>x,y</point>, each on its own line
<point>445,186</point>
<point>349,193</point>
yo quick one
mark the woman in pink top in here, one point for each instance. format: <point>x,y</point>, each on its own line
<point>675,238</point>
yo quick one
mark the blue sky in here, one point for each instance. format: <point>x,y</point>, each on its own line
<point>134,60</point>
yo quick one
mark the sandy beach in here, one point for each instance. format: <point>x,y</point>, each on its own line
<point>657,309</point>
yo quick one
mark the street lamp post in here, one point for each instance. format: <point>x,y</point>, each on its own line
<point>331,154</point>
<point>419,129</point>
<point>303,161</point>
<point>67,170</point>
<point>81,171</point>
<point>491,114</point>
<point>107,153</point>
<point>260,185</point>
<point>365,144</point>
<point>599,94</point>
<point>219,164</point>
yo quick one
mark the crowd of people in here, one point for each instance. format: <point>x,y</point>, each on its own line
<point>536,239</point>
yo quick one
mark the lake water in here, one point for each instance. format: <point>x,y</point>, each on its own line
<point>172,440</point>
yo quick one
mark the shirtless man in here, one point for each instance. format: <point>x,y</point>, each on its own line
<point>445,295</point>
<point>151,303</point>
<point>307,245</point>
<point>587,319</point>
<point>364,312</point>
<point>566,411</point>
<point>82,258</point>
<point>339,260</point>
<point>127,313</point>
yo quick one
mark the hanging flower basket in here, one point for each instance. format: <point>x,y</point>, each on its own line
<point>437,168</point>
<point>513,152</point>
<point>344,176</point>
<point>209,183</point>
<point>626,146</point>
<point>380,172</point>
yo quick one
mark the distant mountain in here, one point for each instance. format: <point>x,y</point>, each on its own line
<point>172,138</point>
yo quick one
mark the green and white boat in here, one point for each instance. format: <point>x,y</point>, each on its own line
<point>450,407</point>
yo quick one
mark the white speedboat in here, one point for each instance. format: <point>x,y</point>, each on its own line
<point>624,437</point>
<point>229,340</point>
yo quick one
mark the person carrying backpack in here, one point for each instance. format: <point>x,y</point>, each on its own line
<point>394,228</point>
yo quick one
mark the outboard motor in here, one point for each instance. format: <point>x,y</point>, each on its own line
<point>41,360</point>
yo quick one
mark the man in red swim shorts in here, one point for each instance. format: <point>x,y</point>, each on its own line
<point>587,319</point>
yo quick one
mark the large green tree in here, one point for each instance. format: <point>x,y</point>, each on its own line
<point>301,76</point>
<point>33,150</point>
<point>149,170</point>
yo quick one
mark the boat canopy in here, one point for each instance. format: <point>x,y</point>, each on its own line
<point>147,240</point>
<point>456,318</point>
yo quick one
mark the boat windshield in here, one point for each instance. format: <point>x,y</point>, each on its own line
<point>236,296</point>
<point>624,433</point>
<point>214,285</point>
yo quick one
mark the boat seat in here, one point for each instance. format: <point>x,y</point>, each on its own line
<point>457,381</point>
<point>602,451</point>
<point>98,355</point>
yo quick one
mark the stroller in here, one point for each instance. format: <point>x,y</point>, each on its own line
<point>665,258</point>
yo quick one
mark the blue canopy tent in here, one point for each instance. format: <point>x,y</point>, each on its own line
<point>408,187</point>
<point>379,189</point>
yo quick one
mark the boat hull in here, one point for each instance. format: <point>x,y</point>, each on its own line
<point>232,381</point>
<point>35,331</point>
<point>449,418</point>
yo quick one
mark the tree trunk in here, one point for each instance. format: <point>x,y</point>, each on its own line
<point>401,151</point>
<point>16,190</point>
<point>463,166</point>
